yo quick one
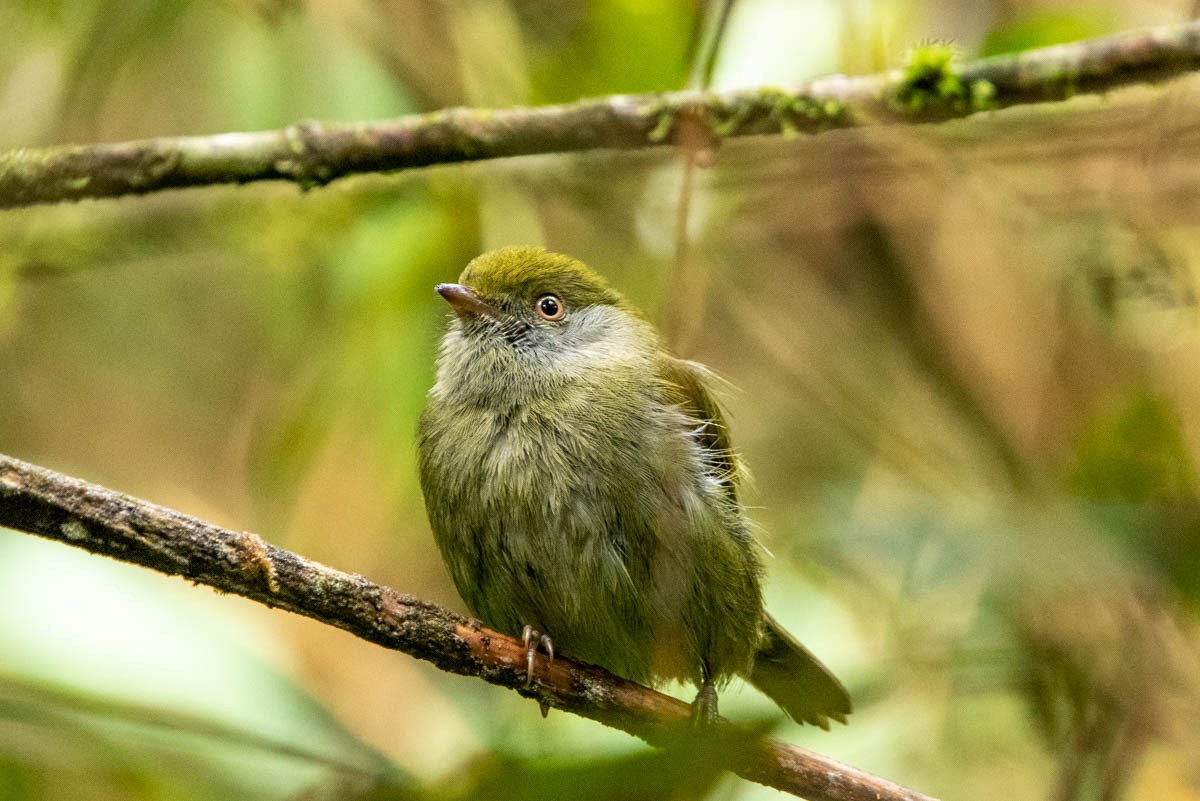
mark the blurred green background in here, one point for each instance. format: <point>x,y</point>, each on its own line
<point>967,361</point>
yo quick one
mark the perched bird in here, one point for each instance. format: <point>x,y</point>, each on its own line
<point>583,492</point>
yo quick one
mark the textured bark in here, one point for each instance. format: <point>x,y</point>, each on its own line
<point>312,154</point>
<point>96,519</point>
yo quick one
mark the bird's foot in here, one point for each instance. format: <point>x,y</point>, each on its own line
<point>704,708</point>
<point>533,640</point>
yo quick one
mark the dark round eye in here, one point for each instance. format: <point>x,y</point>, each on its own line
<point>550,307</point>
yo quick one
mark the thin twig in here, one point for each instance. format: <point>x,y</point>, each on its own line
<point>96,519</point>
<point>313,154</point>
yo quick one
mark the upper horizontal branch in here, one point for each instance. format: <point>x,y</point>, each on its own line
<point>312,153</point>
<point>58,507</point>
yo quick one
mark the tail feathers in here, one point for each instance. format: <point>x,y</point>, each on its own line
<point>796,680</point>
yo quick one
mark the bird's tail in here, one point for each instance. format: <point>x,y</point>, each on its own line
<point>792,677</point>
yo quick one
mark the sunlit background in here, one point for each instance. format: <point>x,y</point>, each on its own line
<point>966,358</point>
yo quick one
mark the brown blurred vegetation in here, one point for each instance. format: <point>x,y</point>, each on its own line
<point>966,359</point>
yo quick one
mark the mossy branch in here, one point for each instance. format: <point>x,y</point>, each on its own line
<point>931,88</point>
<point>96,519</point>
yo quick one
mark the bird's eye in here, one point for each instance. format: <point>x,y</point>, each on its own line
<point>550,307</point>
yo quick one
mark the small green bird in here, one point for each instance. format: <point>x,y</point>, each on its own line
<point>581,486</point>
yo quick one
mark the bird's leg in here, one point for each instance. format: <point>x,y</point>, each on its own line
<point>704,708</point>
<point>534,639</point>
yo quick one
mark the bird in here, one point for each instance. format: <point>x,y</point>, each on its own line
<point>582,489</point>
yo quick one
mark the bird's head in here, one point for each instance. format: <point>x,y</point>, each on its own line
<point>527,310</point>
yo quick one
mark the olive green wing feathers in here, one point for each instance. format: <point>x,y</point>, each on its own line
<point>686,387</point>
<point>783,669</point>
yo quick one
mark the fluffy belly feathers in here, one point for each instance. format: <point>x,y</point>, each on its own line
<point>604,562</point>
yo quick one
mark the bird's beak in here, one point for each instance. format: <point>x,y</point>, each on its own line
<point>465,302</point>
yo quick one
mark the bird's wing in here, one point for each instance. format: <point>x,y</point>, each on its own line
<point>686,386</point>
<point>783,668</point>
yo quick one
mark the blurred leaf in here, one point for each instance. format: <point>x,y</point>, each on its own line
<point>413,41</point>
<point>687,770</point>
<point>616,46</point>
<point>1107,671</point>
<point>708,33</point>
<point>1045,28</point>
<point>272,74</point>
<point>107,43</point>
<point>159,751</point>
<point>105,672</point>
<point>17,782</point>
<point>1137,455</point>
<point>374,300</point>
<point>1136,466</point>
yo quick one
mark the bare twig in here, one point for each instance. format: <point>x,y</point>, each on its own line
<point>96,519</point>
<point>313,154</point>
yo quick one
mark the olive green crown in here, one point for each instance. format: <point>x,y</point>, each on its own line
<point>526,273</point>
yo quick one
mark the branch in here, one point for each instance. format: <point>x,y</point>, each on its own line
<point>313,154</point>
<point>96,519</point>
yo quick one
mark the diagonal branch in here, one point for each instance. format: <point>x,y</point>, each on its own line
<point>96,519</point>
<point>313,154</point>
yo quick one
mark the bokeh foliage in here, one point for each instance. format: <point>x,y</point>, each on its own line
<point>966,358</point>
